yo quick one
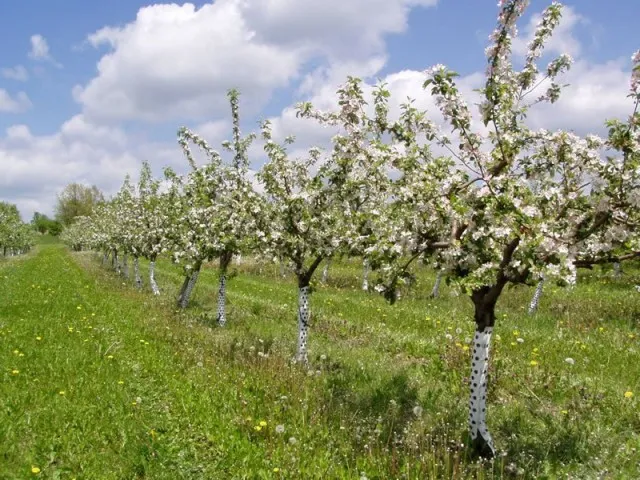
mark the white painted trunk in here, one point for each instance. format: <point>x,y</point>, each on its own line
<point>239,259</point>
<point>478,401</point>
<point>325,271</point>
<point>617,271</point>
<point>304,315</point>
<point>282,271</point>
<point>435,291</point>
<point>152,278</point>
<point>533,306</point>
<point>365,275</point>
<point>136,272</point>
<point>116,259</point>
<point>222,298</point>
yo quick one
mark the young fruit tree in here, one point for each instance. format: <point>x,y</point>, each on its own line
<point>538,199</point>
<point>520,204</point>
<point>230,203</point>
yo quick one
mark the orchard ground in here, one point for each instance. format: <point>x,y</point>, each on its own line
<point>101,381</point>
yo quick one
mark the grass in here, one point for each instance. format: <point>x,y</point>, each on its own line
<point>100,381</point>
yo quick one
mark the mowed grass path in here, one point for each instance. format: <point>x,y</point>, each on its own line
<point>101,381</point>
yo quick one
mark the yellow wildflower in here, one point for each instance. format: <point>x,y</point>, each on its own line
<point>15,372</point>
<point>257,428</point>
<point>533,363</point>
<point>263,423</point>
<point>35,470</point>
<point>628,394</point>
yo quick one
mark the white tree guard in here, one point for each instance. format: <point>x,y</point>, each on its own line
<point>533,306</point>
<point>325,271</point>
<point>478,401</point>
<point>222,293</point>
<point>303,324</point>
<point>365,275</point>
<point>617,271</point>
<point>152,278</point>
<point>435,291</point>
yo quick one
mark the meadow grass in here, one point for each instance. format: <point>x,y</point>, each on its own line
<point>102,381</point>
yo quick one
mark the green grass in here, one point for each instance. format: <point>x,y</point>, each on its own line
<point>114,383</point>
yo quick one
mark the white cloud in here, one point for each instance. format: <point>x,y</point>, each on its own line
<point>176,62</point>
<point>17,104</point>
<point>40,50</point>
<point>18,73</point>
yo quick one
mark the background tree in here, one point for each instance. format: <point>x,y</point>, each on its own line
<point>77,200</point>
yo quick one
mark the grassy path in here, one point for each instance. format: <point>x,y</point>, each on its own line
<point>100,381</point>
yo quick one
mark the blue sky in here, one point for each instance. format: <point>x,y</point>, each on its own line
<point>167,65</point>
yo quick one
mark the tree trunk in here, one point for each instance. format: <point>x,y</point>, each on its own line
<point>193,278</point>
<point>435,292</point>
<point>484,300</point>
<point>152,277</point>
<point>222,291</point>
<point>304,314</point>
<point>183,288</point>
<point>365,275</point>
<point>125,266</point>
<point>325,271</point>
<point>117,262</point>
<point>136,271</point>
<point>105,258</point>
<point>617,271</point>
<point>225,261</point>
<point>533,306</point>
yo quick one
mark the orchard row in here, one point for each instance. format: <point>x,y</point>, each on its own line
<point>499,204</point>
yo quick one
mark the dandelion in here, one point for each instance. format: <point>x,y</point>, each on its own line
<point>38,338</point>
<point>110,357</point>
<point>465,348</point>
<point>564,412</point>
<point>279,428</point>
<point>35,470</point>
<point>257,428</point>
<point>628,394</point>
<point>15,372</point>
<point>292,440</point>
<point>276,470</point>
<point>120,382</point>
<point>323,357</point>
<point>533,363</point>
<point>263,423</point>
<point>62,392</point>
<point>458,331</point>
<point>570,361</point>
<point>417,410</point>
<point>448,336</point>
<point>520,340</point>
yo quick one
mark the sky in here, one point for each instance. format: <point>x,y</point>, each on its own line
<point>89,90</point>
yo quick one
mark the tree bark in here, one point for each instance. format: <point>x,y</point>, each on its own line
<point>136,271</point>
<point>125,266</point>
<point>183,301</point>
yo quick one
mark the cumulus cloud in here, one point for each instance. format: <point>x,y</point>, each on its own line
<point>40,50</point>
<point>18,73</point>
<point>11,104</point>
<point>176,62</point>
